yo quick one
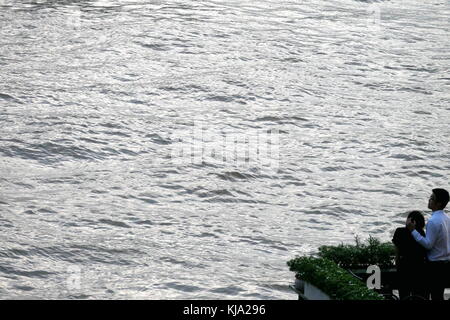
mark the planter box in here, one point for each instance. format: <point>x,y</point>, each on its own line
<point>307,291</point>
<point>314,293</point>
<point>329,281</point>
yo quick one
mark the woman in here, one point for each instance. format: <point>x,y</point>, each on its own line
<point>411,259</point>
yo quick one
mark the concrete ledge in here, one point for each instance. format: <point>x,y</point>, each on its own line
<point>314,293</point>
<point>307,291</point>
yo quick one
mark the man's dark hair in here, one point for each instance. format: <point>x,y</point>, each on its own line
<point>441,196</point>
<point>418,218</point>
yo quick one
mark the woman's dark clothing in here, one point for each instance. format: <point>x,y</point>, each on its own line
<point>411,265</point>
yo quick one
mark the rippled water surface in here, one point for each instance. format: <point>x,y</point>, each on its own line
<point>96,97</point>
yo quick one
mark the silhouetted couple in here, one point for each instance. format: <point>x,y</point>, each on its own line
<point>423,259</point>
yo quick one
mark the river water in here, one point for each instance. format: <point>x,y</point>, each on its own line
<point>189,149</point>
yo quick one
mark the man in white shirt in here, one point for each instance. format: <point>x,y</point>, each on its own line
<point>437,242</point>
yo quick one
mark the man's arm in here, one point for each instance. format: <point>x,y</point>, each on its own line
<point>430,238</point>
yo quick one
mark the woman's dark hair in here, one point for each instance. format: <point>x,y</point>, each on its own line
<point>418,218</point>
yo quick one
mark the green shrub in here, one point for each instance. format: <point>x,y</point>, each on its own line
<point>360,255</point>
<point>331,279</point>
